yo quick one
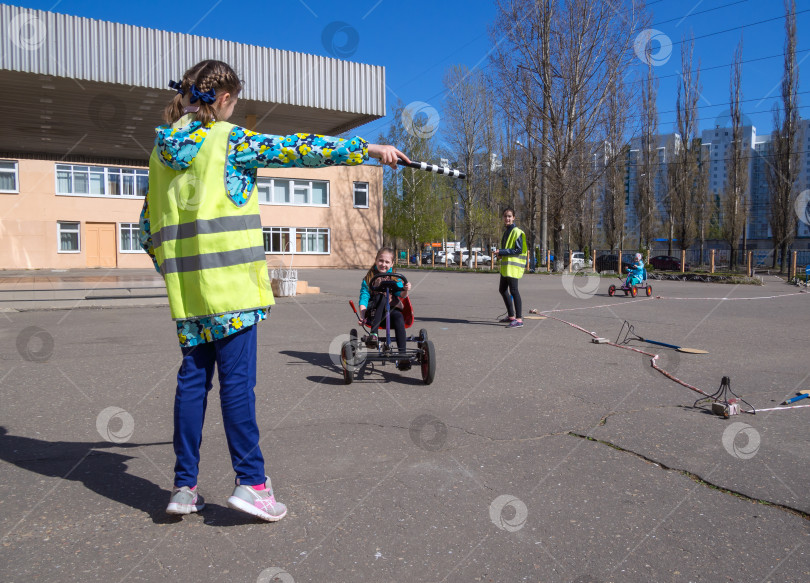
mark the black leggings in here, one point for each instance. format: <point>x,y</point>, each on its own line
<point>511,283</point>
<point>377,310</point>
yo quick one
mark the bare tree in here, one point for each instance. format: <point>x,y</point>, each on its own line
<point>734,202</point>
<point>683,175</point>
<point>783,169</point>
<point>586,175</point>
<point>572,50</point>
<point>519,84</point>
<point>412,212</point>
<point>531,171</point>
<point>702,209</point>
<point>469,127</point>
<point>647,164</point>
<point>616,152</point>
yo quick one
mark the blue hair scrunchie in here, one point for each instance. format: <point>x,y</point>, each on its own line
<point>177,87</point>
<point>206,97</point>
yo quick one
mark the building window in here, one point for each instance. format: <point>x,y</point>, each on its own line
<point>68,235</point>
<point>277,239</point>
<point>307,240</point>
<point>128,240</point>
<point>361,195</point>
<point>8,176</point>
<point>312,240</point>
<point>293,192</point>
<point>76,180</point>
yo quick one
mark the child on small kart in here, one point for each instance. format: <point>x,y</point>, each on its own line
<point>635,274</point>
<point>372,304</point>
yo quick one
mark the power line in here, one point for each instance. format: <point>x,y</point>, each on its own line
<point>752,156</point>
<point>728,65</point>
<point>710,160</point>
<point>668,122</point>
<point>739,27</point>
<point>717,105</point>
<point>673,44</point>
<point>690,14</point>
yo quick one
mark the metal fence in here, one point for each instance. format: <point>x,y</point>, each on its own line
<point>607,260</point>
<point>702,260</point>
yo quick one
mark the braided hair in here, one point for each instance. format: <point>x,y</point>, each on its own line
<point>203,77</point>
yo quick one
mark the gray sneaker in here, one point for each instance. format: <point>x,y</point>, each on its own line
<point>184,501</point>
<point>259,503</point>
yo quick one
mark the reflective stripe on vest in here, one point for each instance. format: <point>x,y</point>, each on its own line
<point>212,260</point>
<point>206,227</point>
<point>210,251</point>
<point>514,265</point>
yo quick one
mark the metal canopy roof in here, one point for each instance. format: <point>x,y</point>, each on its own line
<point>83,89</point>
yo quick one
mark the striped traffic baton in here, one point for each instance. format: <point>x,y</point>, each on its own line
<point>433,168</point>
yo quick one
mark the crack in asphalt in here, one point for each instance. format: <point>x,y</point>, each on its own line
<point>695,477</point>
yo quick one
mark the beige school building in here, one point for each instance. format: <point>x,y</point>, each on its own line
<point>82,99</point>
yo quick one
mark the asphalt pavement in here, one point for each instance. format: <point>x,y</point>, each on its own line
<point>535,455</point>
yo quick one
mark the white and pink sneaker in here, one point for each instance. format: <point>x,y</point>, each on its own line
<point>259,503</point>
<point>184,501</point>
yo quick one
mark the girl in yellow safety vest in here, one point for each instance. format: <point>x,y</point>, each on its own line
<point>513,255</point>
<point>200,224</point>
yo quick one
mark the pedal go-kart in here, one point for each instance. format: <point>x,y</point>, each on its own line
<point>632,284</point>
<point>358,350</point>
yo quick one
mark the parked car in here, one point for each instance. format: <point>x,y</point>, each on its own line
<point>427,257</point>
<point>611,263</point>
<point>667,263</point>
<point>438,256</point>
<point>481,258</point>
<point>578,260</point>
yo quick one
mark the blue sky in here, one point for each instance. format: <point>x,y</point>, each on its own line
<point>417,41</point>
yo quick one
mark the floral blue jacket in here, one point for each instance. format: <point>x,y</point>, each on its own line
<point>178,145</point>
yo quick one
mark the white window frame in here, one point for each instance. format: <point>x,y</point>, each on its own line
<point>15,171</point>
<point>133,228</point>
<point>360,187</point>
<point>281,231</point>
<point>60,230</point>
<point>295,234</point>
<point>107,175</point>
<point>268,184</point>
<point>304,231</point>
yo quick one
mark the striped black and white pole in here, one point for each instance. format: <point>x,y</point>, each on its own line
<point>433,168</point>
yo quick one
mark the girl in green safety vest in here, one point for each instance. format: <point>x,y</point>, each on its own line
<point>200,224</point>
<point>513,256</point>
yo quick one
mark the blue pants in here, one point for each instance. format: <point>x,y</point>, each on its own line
<point>235,360</point>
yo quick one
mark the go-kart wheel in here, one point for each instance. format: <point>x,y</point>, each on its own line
<point>634,291</point>
<point>611,290</point>
<point>347,356</point>
<point>428,362</point>
<point>649,290</point>
<point>422,336</point>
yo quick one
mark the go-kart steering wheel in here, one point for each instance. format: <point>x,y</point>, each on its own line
<point>386,285</point>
